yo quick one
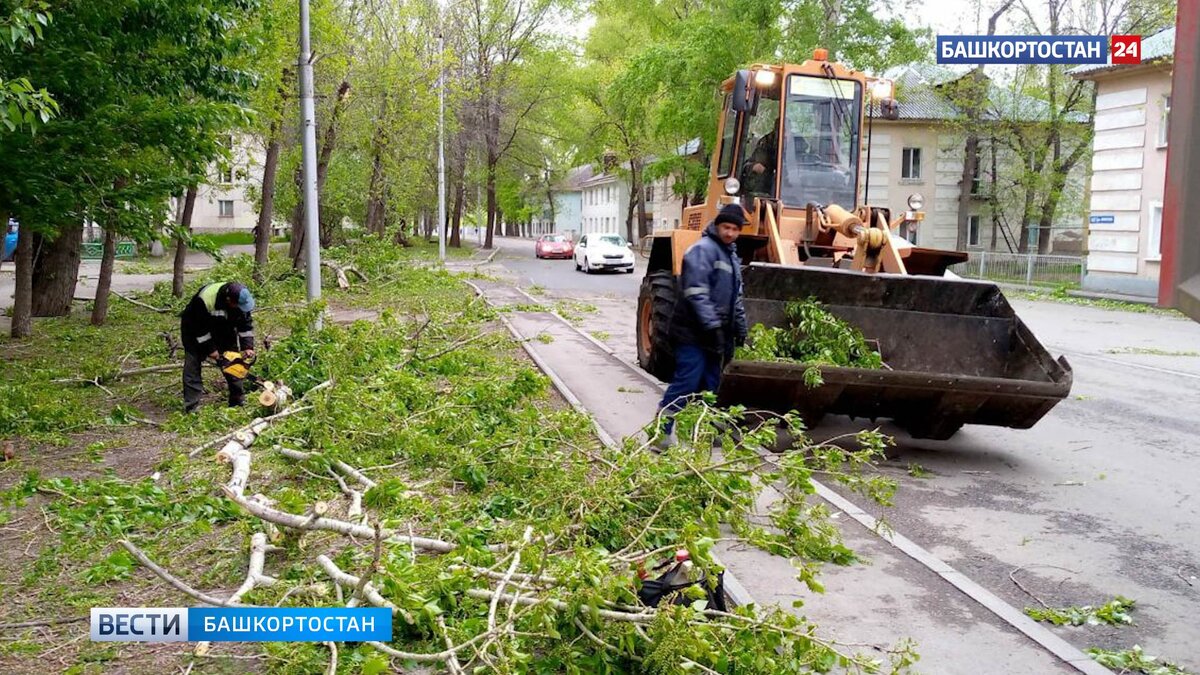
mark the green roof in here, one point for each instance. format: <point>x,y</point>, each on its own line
<point>1157,47</point>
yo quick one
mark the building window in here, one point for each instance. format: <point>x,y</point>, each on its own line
<point>226,208</point>
<point>227,142</point>
<point>227,176</point>
<point>1154,236</point>
<point>649,194</point>
<point>972,230</point>
<point>1164,121</point>
<point>910,167</point>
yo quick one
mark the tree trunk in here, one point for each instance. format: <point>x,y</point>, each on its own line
<point>266,213</point>
<point>970,162</point>
<point>327,144</point>
<point>325,230</point>
<point>643,225</point>
<point>104,283</point>
<point>296,246</point>
<point>56,271</point>
<point>22,320</point>
<point>375,205</point>
<point>491,203</point>
<point>456,216</point>
<point>1026,216</point>
<point>402,234</point>
<point>993,197</point>
<point>375,202</point>
<point>185,223</point>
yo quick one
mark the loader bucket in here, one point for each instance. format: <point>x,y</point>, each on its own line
<point>955,353</point>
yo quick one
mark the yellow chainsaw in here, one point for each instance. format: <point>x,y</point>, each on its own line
<point>236,365</point>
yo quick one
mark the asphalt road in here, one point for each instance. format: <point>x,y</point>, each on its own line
<point>1097,500</point>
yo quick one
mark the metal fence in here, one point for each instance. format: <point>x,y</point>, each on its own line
<point>1028,269</point>
<point>93,250</point>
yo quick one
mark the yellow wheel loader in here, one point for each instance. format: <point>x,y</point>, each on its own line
<point>789,150</point>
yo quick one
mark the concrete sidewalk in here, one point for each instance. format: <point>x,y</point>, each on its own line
<point>876,603</point>
<point>89,273</point>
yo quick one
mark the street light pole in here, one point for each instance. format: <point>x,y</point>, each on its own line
<point>312,246</point>
<point>441,134</point>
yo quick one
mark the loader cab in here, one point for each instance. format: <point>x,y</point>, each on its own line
<point>795,137</point>
<point>820,143</point>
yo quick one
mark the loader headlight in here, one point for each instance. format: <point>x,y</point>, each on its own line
<point>732,186</point>
<point>915,201</point>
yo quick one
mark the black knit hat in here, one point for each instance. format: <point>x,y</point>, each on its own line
<point>731,213</point>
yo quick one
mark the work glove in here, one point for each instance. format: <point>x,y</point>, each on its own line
<point>221,361</point>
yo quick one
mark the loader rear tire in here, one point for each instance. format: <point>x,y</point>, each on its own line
<point>656,304</point>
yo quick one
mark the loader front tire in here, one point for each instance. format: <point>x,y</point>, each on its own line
<point>656,304</point>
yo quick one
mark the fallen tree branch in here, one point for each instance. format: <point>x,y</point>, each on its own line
<point>340,271</point>
<point>512,568</point>
<point>254,577</point>
<point>517,577</point>
<point>344,468</point>
<point>139,303</point>
<point>174,581</point>
<point>1013,577</point>
<point>374,566</point>
<point>342,527</point>
<point>236,454</point>
<point>428,658</point>
<point>342,282</point>
<point>368,592</point>
<point>596,639</point>
<point>333,658</point>
<point>172,345</point>
<point>47,622</point>
<point>291,410</point>
<point>355,509</point>
<point>121,374</point>
<point>452,663</point>
<point>483,594</point>
<point>442,352</point>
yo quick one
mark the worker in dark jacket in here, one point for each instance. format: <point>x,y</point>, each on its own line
<point>709,318</point>
<point>215,321</point>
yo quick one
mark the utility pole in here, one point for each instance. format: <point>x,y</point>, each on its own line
<point>308,127</point>
<point>441,134</point>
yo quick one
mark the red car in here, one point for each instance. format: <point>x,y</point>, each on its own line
<point>554,246</point>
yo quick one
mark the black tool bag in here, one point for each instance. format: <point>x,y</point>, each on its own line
<point>654,590</point>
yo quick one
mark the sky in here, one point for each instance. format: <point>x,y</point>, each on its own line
<point>957,17</point>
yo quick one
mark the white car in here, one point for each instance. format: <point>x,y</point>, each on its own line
<point>596,252</point>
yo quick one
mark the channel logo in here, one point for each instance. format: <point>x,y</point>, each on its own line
<point>1038,49</point>
<point>241,624</point>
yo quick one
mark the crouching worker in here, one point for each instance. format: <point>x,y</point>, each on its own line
<point>709,319</point>
<point>215,321</point>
